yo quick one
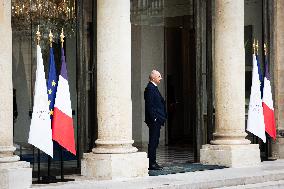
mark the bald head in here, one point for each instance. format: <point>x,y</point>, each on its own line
<point>155,77</point>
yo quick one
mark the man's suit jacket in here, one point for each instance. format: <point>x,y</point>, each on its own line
<point>155,108</point>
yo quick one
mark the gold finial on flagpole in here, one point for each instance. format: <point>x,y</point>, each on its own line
<point>62,38</point>
<point>50,38</point>
<point>265,49</point>
<point>38,35</point>
<point>256,46</point>
<point>253,46</point>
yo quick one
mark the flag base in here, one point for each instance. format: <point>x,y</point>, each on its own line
<point>230,155</point>
<point>16,175</point>
<point>114,166</point>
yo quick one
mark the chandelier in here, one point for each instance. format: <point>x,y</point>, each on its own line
<point>48,14</point>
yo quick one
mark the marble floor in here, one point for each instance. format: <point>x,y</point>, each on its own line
<point>168,155</point>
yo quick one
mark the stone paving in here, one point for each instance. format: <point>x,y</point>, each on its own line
<point>268,175</point>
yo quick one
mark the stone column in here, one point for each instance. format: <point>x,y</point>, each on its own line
<point>278,41</point>
<point>114,156</point>
<point>13,173</point>
<point>229,146</point>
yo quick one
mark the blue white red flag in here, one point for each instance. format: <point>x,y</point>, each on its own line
<point>268,110</point>
<point>62,122</point>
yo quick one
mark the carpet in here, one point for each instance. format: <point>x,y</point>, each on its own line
<point>183,168</point>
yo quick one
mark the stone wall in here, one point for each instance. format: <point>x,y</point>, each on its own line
<point>277,147</point>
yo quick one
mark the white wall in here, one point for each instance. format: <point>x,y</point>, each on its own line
<point>152,56</point>
<point>136,92</point>
<point>148,54</point>
<point>22,84</point>
<point>253,16</point>
<point>71,70</point>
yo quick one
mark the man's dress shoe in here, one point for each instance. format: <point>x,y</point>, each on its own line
<point>155,166</point>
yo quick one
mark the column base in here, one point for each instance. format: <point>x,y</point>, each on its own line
<point>230,155</point>
<point>16,175</point>
<point>114,166</point>
<point>277,148</point>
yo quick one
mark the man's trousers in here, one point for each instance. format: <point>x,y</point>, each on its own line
<point>154,135</point>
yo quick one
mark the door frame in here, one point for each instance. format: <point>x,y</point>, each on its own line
<point>200,42</point>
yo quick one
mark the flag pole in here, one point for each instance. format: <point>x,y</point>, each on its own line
<point>62,38</point>
<point>253,45</point>
<point>256,46</point>
<point>50,38</point>
<point>255,139</point>
<point>61,164</point>
<point>38,165</point>
<point>61,151</point>
<point>265,62</point>
<point>49,158</point>
<point>266,147</point>
<point>38,35</point>
<point>38,150</point>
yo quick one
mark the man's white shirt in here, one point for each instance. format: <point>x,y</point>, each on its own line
<point>154,83</point>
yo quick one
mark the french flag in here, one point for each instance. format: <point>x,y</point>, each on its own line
<point>267,103</point>
<point>62,122</point>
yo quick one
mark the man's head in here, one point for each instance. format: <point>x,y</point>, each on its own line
<point>155,77</point>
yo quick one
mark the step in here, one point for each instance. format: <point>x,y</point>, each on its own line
<point>268,174</point>
<point>265,185</point>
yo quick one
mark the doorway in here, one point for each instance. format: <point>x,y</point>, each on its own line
<point>181,81</point>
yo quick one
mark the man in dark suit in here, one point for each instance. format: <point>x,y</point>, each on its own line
<point>155,116</point>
